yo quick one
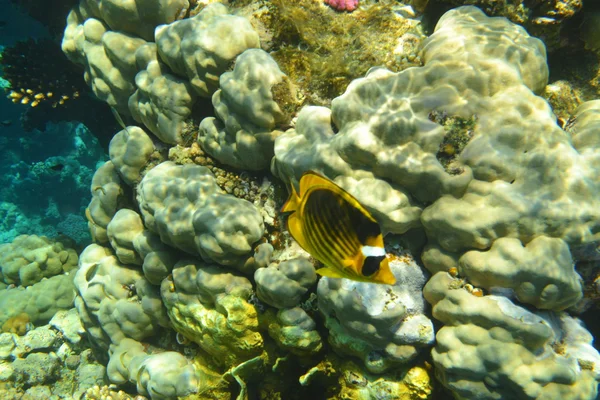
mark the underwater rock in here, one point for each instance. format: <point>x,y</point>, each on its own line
<point>383,325</point>
<point>36,369</point>
<point>68,323</point>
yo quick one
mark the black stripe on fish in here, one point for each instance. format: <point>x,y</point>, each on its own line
<point>364,227</point>
<point>347,233</point>
<point>371,265</point>
<point>324,206</point>
<point>339,223</point>
<point>319,240</point>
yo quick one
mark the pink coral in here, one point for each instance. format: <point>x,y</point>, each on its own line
<point>341,5</point>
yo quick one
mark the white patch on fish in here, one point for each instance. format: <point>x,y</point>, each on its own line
<point>372,251</point>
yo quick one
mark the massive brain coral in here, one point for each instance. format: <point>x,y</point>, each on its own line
<point>185,206</point>
<point>30,258</point>
<point>203,47</point>
<point>491,348</point>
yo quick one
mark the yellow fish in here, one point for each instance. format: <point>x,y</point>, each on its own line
<point>337,230</point>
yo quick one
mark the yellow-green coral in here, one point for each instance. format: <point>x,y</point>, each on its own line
<point>214,314</point>
<point>18,324</point>
<point>346,380</point>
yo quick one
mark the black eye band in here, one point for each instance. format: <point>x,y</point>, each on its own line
<point>371,265</point>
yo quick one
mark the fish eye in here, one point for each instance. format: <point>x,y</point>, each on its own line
<point>371,265</point>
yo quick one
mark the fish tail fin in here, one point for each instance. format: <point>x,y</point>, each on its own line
<point>293,202</point>
<point>119,119</point>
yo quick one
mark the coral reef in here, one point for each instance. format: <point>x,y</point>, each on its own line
<point>192,286</point>
<point>518,186</point>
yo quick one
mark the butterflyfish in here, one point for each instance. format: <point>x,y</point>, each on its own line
<point>331,225</point>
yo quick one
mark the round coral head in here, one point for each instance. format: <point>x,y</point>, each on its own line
<point>343,5</point>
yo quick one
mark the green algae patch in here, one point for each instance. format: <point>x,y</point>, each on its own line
<point>459,132</point>
<point>323,50</point>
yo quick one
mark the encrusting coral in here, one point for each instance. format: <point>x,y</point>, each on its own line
<point>203,47</point>
<point>18,324</point>
<point>524,353</point>
<point>343,5</point>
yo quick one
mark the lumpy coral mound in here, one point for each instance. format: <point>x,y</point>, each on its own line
<point>343,5</point>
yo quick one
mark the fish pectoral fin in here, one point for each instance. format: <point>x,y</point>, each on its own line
<point>328,272</point>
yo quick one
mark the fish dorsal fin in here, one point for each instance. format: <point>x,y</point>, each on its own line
<point>293,202</point>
